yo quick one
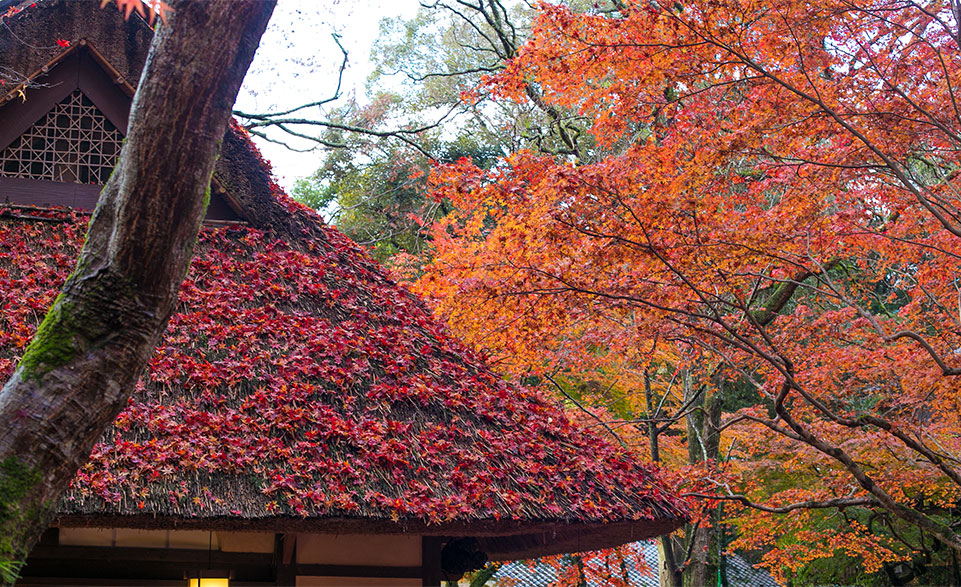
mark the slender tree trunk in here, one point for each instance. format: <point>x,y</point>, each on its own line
<point>955,569</point>
<point>669,575</point>
<point>704,445</point>
<point>668,572</point>
<point>80,368</point>
<point>581,577</point>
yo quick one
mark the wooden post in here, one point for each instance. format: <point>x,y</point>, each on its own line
<point>285,558</point>
<point>430,560</point>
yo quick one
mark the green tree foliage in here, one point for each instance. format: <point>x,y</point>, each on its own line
<point>380,202</point>
<point>429,105</point>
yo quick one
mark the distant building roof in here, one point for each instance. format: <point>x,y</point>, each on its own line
<point>640,569</point>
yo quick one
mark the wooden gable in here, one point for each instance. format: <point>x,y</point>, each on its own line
<point>60,137</point>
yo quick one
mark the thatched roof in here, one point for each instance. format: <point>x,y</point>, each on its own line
<point>299,388</point>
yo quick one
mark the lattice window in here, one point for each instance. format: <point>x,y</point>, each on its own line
<point>74,142</point>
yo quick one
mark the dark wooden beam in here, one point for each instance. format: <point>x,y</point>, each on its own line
<point>187,556</point>
<point>430,560</point>
<point>59,581</point>
<point>81,196</point>
<point>50,537</point>
<point>97,565</point>
<point>289,553</point>
<point>284,573</point>
<point>45,194</point>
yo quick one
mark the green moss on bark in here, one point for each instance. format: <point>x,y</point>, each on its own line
<point>206,204</point>
<point>17,482</point>
<point>53,344</point>
<point>70,328</point>
<point>206,201</point>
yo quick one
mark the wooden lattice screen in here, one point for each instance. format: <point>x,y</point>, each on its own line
<point>74,142</point>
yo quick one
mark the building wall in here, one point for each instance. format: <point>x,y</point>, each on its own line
<point>387,550</point>
<point>346,550</point>
<point>383,550</point>
<point>262,542</point>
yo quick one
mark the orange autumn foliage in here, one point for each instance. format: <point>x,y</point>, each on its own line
<point>773,188</point>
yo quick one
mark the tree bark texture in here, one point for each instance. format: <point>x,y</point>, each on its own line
<point>704,445</point>
<point>89,351</point>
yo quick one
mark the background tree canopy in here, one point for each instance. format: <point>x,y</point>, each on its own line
<point>723,232</point>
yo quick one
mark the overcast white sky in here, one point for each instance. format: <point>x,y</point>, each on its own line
<point>298,60</point>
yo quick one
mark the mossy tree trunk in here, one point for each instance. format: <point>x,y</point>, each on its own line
<point>80,368</point>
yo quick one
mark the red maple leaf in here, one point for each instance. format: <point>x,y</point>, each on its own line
<point>63,42</point>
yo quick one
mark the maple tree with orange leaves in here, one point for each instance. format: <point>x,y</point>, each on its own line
<point>771,204</point>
